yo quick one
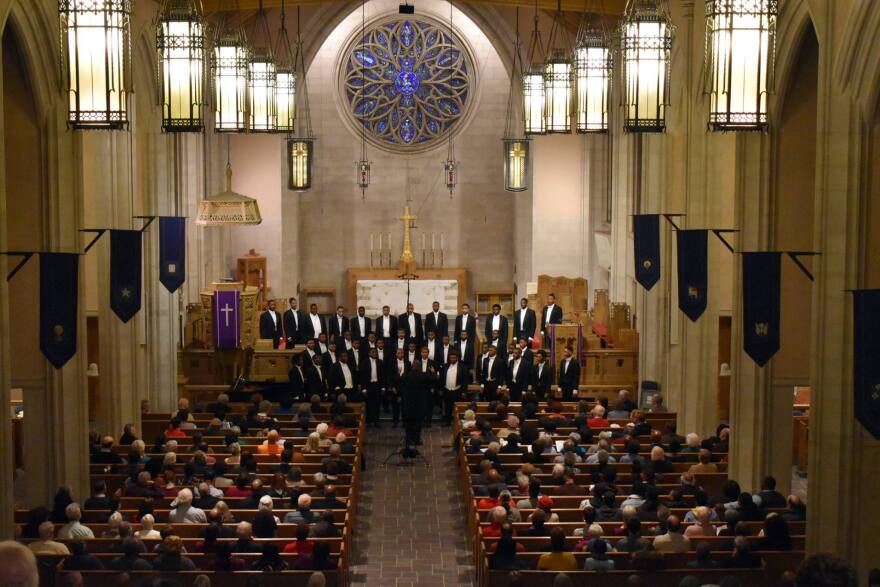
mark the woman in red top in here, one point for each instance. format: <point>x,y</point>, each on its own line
<point>303,545</point>
<point>174,430</point>
<point>240,489</point>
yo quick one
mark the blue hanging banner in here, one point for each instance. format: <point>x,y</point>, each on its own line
<point>866,359</point>
<point>59,296</point>
<point>125,272</point>
<point>172,252</point>
<point>762,273</point>
<point>646,241</point>
<point>693,272</point>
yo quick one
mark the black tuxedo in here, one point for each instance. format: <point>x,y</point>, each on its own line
<point>527,330</point>
<point>518,379</point>
<point>334,329</point>
<point>466,356</point>
<point>471,328</point>
<point>329,359</point>
<point>356,357</point>
<point>528,355</point>
<point>373,389</point>
<point>541,384</point>
<point>415,387</point>
<point>450,396</point>
<point>438,324</point>
<point>298,383</point>
<point>555,317</point>
<point>314,383</point>
<point>427,368</point>
<point>492,379</point>
<point>502,328</point>
<point>270,329</point>
<point>294,329</point>
<point>392,328</point>
<point>309,329</point>
<point>441,354</point>
<point>337,380</point>
<point>419,334</point>
<point>569,378</point>
<point>395,386</point>
<point>356,327</point>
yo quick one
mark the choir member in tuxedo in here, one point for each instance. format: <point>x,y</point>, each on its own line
<point>437,322</point>
<point>270,325</point>
<point>526,352</point>
<point>542,376</point>
<point>551,314</point>
<point>496,323</point>
<point>297,377</point>
<point>401,341</point>
<point>344,343</point>
<point>294,324</point>
<point>443,353</point>
<point>311,349</point>
<point>397,369</point>
<point>466,350</point>
<point>417,383</point>
<point>569,375</point>
<point>372,377</point>
<point>412,353</point>
<point>315,323</point>
<point>518,375</point>
<point>465,322</point>
<point>361,326</point>
<point>524,321</point>
<point>386,325</point>
<point>356,355</point>
<point>380,350</point>
<point>412,325</point>
<point>494,339</point>
<point>478,370</point>
<point>453,383</point>
<point>492,374</point>
<point>316,378</point>
<point>338,324</point>
<point>343,379</point>
<point>432,343</point>
<point>331,356</point>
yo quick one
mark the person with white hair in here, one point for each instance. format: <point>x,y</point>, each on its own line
<point>169,460</point>
<point>313,443</point>
<point>18,565</point>
<point>147,532</point>
<point>323,441</point>
<point>74,528</point>
<point>659,463</point>
<point>303,513</point>
<point>171,446</point>
<point>266,505</point>
<point>597,417</point>
<point>703,526</point>
<point>601,457</point>
<point>113,522</point>
<point>497,518</point>
<point>512,426</point>
<point>46,544</point>
<point>692,443</point>
<point>183,510</point>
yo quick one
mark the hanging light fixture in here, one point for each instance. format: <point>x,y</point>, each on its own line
<point>230,66</point>
<point>95,37</point>
<point>228,208</point>
<point>261,79</point>
<point>285,80</point>
<point>515,144</point>
<point>592,66</point>
<point>450,166</point>
<point>646,51</point>
<point>300,149</point>
<point>362,166</point>
<point>180,42</point>
<point>557,78</point>
<point>740,52</point>
<point>533,84</point>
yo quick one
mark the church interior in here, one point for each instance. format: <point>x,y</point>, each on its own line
<point>440,292</point>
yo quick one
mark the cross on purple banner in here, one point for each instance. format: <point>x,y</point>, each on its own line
<point>227,323</point>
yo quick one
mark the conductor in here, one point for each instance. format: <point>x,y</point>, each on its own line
<point>416,387</point>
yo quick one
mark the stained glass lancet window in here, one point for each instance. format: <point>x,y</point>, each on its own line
<point>407,81</point>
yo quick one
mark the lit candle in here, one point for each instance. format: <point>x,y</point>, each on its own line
<point>371,242</point>
<point>441,241</point>
<point>423,241</point>
<point>432,240</point>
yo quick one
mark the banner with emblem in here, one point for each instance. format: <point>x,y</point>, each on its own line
<point>227,323</point>
<point>59,295</point>
<point>172,251</point>
<point>125,272</point>
<point>646,241</point>
<point>866,358</point>
<point>693,272</point>
<point>761,274</point>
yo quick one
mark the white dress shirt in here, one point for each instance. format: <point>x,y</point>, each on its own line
<point>431,344</point>
<point>452,376</point>
<point>412,324</point>
<point>374,377</point>
<point>386,326</point>
<point>549,313</point>
<point>489,368</point>
<point>464,319</point>
<point>274,318</point>
<point>401,366</point>
<point>346,373</point>
<point>496,323</point>
<point>522,318</point>
<point>516,368</point>
<point>316,324</point>
<point>361,325</point>
<point>401,343</point>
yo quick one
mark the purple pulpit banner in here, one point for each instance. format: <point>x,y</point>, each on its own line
<point>227,322</point>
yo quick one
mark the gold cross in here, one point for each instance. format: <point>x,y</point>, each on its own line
<point>408,218</point>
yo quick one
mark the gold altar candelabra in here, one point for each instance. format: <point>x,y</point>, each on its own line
<point>380,256</point>
<point>433,256</point>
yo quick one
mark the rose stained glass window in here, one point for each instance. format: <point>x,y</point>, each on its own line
<point>407,82</point>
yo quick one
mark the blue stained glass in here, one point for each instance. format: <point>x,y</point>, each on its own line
<point>406,81</point>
